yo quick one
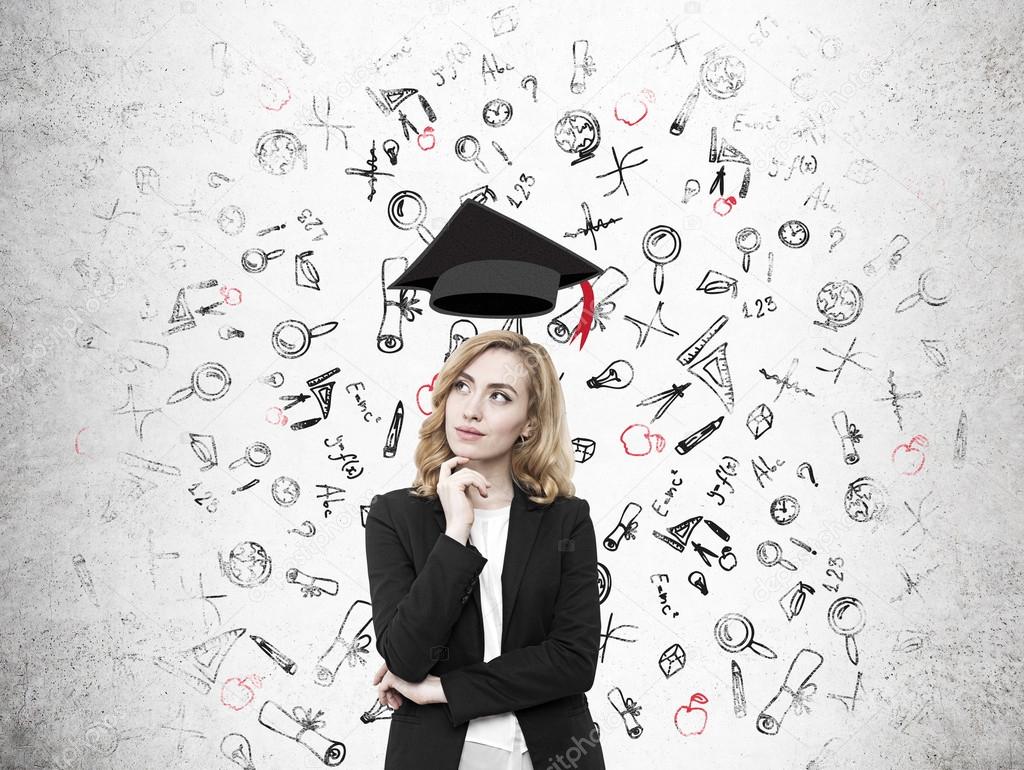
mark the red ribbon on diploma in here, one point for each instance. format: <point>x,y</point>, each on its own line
<point>583,329</point>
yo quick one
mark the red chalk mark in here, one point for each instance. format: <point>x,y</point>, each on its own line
<point>274,95</point>
<point>231,296</point>
<point>906,454</point>
<point>722,203</point>
<point>632,108</point>
<point>689,722</point>
<point>237,693</point>
<point>427,140</point>
<point>276,416</point>
<point>636,440</point>
<point>78,448</point>
<point>423,396</point>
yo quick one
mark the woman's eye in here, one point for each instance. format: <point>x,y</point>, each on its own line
<point>496,393</point>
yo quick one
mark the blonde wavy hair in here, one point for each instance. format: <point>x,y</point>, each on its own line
<point>544,464</point>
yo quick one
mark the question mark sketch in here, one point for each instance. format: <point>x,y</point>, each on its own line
<point>533,81</point>
<point>837,230</point>
<point>805,471</point>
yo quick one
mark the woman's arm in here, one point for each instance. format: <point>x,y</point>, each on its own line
<point>413,614</point>
<point>563,664</point>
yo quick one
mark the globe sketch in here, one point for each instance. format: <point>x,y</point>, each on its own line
<point>578,132</point>
<point>840,302</point>
<point>247,565</point>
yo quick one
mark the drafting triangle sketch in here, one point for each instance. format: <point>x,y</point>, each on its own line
<point>724,151</point>
<point>680,533</point>
<point>180,311</point>
<point>713,371</point>
<point>200,664</point>
<point>323,396</point>
<point>728,152</point>
<point>392,97</point>
<point>181,315</point>
<point>687,356</point>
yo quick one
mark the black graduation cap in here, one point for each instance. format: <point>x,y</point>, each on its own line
<point>484,264</point>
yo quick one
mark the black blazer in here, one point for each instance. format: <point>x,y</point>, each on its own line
<point>421,582</point>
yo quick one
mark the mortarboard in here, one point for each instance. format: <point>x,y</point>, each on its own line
<point>484,264</point>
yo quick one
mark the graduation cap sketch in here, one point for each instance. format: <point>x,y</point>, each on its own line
<point>484,264</point>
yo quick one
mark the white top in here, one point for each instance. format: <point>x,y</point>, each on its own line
<point>488,535</point>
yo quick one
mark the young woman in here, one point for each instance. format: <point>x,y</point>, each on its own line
<point>483,576</point>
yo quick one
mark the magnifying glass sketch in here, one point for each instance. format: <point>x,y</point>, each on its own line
<point>467,148</point>
<point>846,618</point>
<point>256,454</point>
<point>933,286</point>
<point>769,553</point>
<point>408,211</point>
<point>661,246</point>
<point>748,240</point>
<point>210,381</point>
<point>291,338</point>
<point>255,260</point>
<point>735,633</point>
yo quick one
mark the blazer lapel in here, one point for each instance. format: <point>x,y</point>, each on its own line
<point>523,525</point>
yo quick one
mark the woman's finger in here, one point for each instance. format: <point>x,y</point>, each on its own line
<point>447,465</point>
<point>481,483</point>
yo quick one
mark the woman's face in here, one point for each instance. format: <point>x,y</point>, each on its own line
<point>489,396</point>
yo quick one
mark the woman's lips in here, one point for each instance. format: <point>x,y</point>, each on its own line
<point>466,435</point>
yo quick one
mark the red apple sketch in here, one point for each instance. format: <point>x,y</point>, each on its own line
<point>632,108</point>
<point>688,717</point>
<point>909,456</point>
